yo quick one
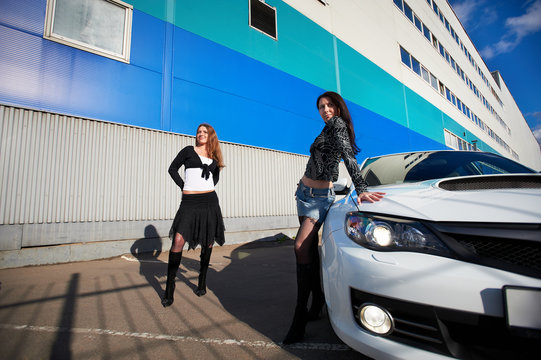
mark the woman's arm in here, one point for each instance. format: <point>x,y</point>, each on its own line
<point>179,160</point>
<point>341,137</point>
<point>216,174</point>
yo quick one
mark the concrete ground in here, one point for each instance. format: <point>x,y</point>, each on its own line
<point>110,309</point>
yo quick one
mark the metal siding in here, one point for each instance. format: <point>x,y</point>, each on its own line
<point>62,169</point>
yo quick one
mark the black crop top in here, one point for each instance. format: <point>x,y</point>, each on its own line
<point>326,151</point>
<point>189,158</point>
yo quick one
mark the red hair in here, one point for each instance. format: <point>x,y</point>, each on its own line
<point>213,145</point>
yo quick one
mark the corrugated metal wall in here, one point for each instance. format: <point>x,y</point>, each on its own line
<point>62,169</point>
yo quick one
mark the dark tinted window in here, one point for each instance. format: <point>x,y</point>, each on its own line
<point>396,169</point>
<point>419,24</point>
<point>427,33</point>
<point>408,12</point>
<point>415,65</point>
<point>263,17</point>
<point>405,56</point>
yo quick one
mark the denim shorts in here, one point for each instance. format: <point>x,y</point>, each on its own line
<point>314,203</point>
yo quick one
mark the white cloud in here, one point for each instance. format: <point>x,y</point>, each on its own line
<point>517,28</point>
<point>465,10</point>
<point>534,120</point>
<point>537,134</point>
<point>474,13</point>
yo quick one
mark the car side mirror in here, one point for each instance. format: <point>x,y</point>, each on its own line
<point>341,186</point>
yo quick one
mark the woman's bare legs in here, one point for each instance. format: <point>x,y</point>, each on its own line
<point>178,243</point>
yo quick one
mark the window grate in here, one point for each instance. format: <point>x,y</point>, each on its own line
<point>263,18</point>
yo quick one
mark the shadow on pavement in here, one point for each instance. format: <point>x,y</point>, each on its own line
<point>147,251</point>
<point>258,287</point>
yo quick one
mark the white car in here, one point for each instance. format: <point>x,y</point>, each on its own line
<point>446,265</point>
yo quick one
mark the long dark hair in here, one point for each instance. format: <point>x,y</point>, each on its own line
<point>343,112</point>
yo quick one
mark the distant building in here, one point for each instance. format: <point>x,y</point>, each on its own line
<point>97,97</point>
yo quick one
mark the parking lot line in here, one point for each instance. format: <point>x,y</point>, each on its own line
<point>178,338</point>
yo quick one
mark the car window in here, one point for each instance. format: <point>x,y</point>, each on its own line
<point>420,166</point>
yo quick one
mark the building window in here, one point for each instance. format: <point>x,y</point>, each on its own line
<point>433,82</point>
<point>426,32</point>
<point>435,7</point>
<point>415,65</point>
<point>408,11</point>
<point>263,18</point>
<point>405,57</point>
<point>447,94</point>
<point>418,23</point>
<point>399,4</point>
<point>99,26</point>
<point>425,74</point>
<point>456,143</point>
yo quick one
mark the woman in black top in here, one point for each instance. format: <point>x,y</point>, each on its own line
<point>199,219</point>
<point>315,195</point>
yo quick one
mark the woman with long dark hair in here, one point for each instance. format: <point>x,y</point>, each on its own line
<point>199,218</point>
<point>314,197</point>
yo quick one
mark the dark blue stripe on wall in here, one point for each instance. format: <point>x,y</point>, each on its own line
<point>378,135</point>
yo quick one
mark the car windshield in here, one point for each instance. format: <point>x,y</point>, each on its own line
<point>420,166</point>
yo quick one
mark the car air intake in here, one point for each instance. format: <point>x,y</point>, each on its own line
<point>492,182</point>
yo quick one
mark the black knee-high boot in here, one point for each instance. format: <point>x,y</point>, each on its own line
<point>205,260</point>
<point>172,267</point>
<point>318,298</point>
<point>304,283</point>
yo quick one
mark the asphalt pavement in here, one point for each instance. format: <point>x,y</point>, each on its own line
<point>110,309</point>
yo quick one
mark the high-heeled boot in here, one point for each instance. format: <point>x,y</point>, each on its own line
<point>205,260</point>
<point>318,298</point>
<point>296,331</point>
<point>172,267</point>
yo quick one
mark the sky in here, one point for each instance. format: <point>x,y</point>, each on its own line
<point>507,33</point>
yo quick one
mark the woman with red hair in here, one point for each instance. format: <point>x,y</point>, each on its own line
<point>199,218</point>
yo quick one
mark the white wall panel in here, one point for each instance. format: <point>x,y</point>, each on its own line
<point>62,169</point>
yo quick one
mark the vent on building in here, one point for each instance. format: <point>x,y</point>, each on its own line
<point>496,76</point>
<point>263,18</point>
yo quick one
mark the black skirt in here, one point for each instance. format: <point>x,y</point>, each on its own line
<point>199,220</point>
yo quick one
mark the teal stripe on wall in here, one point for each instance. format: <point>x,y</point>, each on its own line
<point>305,50</point>
<point>423,117</point>
<point>367,85</point>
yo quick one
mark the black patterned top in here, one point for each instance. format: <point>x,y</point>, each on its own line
<point>326,151</point>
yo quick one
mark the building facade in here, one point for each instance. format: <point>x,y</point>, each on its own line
<point>98,96</point>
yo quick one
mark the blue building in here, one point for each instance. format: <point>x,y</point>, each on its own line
<point>97,96</point>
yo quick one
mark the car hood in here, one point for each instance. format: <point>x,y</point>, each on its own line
<point>501,199</point>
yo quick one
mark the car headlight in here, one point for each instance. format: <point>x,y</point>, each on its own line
<point>392,234</point>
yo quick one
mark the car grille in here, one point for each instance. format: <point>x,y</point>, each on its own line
<point>449,332</point>
<point>491,183</point>
<point>510,247</point>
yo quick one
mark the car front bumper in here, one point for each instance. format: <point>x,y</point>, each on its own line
<point>451,308</point>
